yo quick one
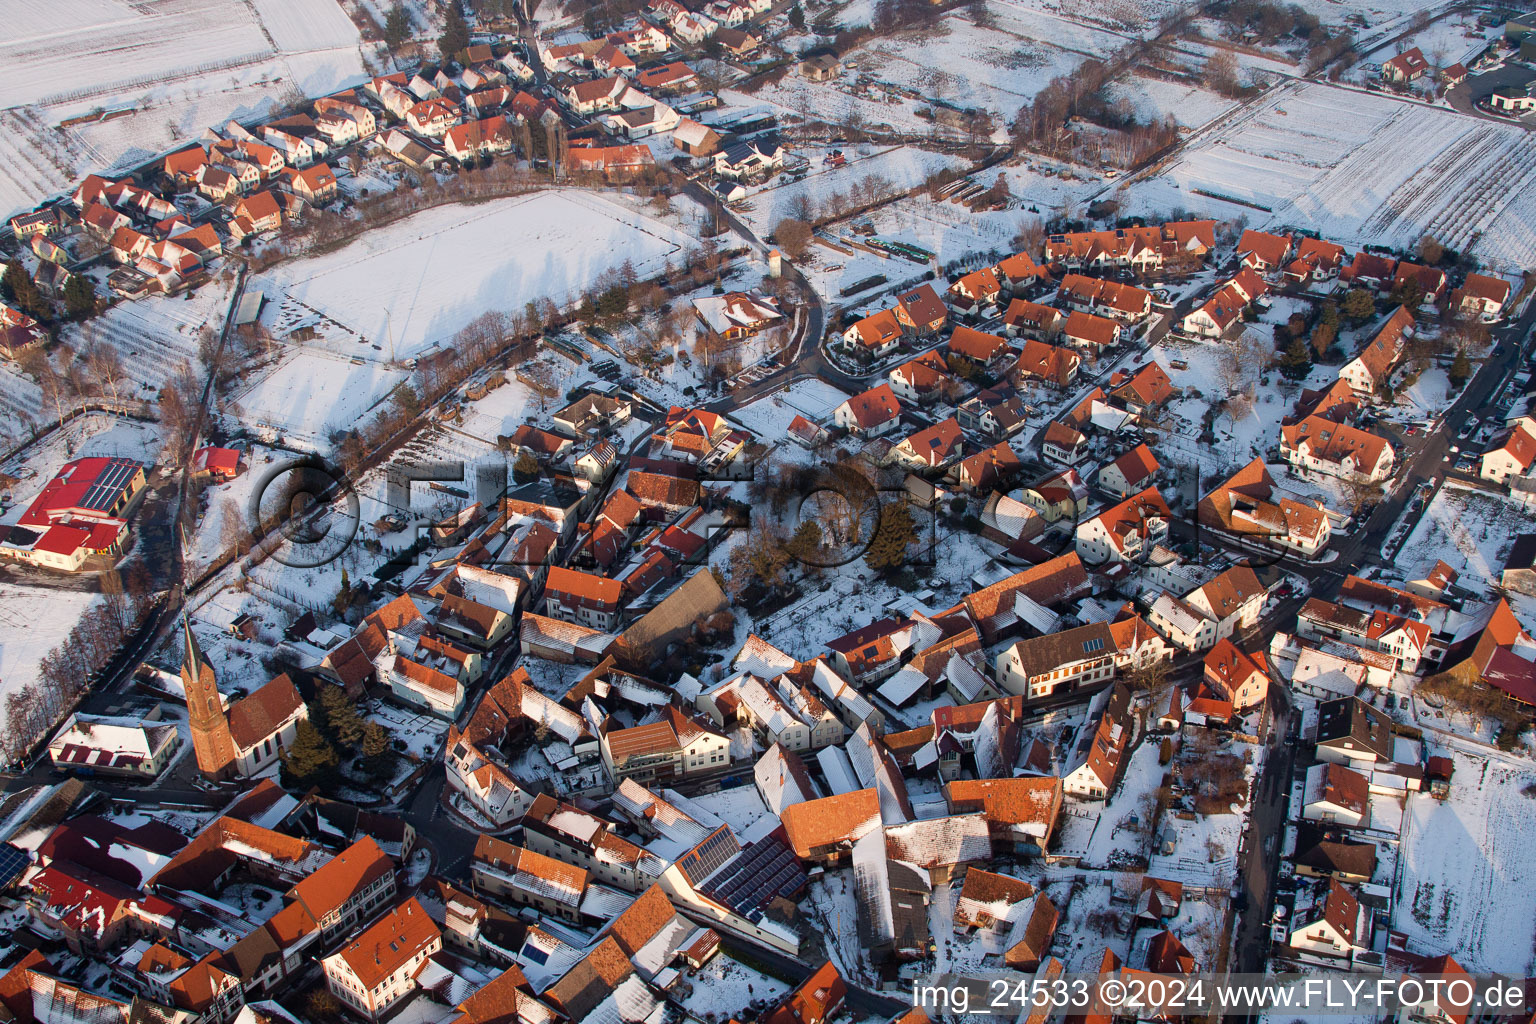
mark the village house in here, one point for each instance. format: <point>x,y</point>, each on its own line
<point>1208,613</point>
<point>872,413</point>
<point>1073,659</point>
<point>1236,675</point>
<point>1336,449</point>
<point>750,160</point>
<point>736,315</point>
<point>922,380</point>
<point>1316,260</point>
<point>987,469</point>
<point>875,335</point>
<point>587,600</point>
<point>1370,371</point>
<point>1408,66</point>
<point>1509,453</point>
<point>1089,332</point>
<point>987,351</point>
<point>1032,320</point>
<point>378,969</point>
<point>1057,496</point>
<point>1482,297</point>
<point>1063,444</point>
<point>1110,299</point>
<point>972,291</point>
<point>1403,638</point>
<point>1249,505</point>
<point>1132,472</point>
<point>1262,251</point>
<point>1126,532</point>
<point>694,138</point>
<point>480,138</point>
<point>931,447</point>
<point>1053,364</point>
<point>1095,767</point>
<point>671,750</point>
<point>1430,281</point>
<point>921,312</point>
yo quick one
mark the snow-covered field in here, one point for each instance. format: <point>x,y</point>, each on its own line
<point>1359,168</point>
<point>411,285</point>
<point>1465,884</point>
<point>312,393</point>
<point>33,621</point>
<point>171,60</point>
<point>1156,98</point>
<point>155,335</point>
<point>997,69</point>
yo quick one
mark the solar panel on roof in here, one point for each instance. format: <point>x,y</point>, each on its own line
<point>12,863</point>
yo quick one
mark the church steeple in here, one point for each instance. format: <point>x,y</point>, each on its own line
<point>211,739</point>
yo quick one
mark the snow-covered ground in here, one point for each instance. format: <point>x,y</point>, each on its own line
<point>1361,168</point>
<point>312,393</point>
<point>901,168</point>
<point>1156,98</point>
<point>1465,886</point>
<point>155,335</point>
<point>33,621</point>
<point>1470,530</point>
<point>180,65</point>
<point>410,286</point>
<point>998,69</point>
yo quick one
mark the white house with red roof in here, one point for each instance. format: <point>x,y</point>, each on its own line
<point>871,414</point>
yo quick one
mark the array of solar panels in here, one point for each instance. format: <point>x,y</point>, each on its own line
<point>103,494</point>
<point>707,858</point>
<point>765,869</point>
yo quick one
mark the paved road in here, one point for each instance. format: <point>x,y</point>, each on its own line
<point>1465,96</point>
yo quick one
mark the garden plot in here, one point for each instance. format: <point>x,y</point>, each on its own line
<point>21,405</point>
<point>771,415</point>
<point>169,62</point>
<point>1362,168</point>
<point>403,289</point>
<point>155,335</point>
<point>1470,530</point>
<point>311,394</point>
<point>1465,882</point>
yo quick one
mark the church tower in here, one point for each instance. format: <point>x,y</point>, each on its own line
<point>211,738</point>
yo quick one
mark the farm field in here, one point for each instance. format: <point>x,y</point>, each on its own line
<point>1156,98</point>
<point>180,65</point>
<point>1361,168</point>
<point>1464,885</point>
<point>411,285</point>
<point>33,621</point>
<point>312,393</point>
<point>997,69</point>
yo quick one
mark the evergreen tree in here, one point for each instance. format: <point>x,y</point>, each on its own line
<point>311,758</point>
<point>379,755</point>
<point>79,297</point>
<point>1297,361</point>
<point>1461,368</point>
<point>525,468</point>
<point>797,17</point>
<point>894,532</point>
<point>343,599</point>
<point>455,37</point>
<point>397,27</point>
<point>19,289</point>
<point>1358,304</point>
<point>341,718</point>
